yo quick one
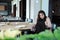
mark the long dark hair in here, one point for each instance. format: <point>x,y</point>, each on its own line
<point>40,25</point>
<point>38,18</point>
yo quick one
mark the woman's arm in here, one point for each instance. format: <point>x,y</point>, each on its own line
<point>48,23</point>
<point>33,28</point>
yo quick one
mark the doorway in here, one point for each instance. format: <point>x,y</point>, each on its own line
<point>54,11</point>
<point>14,10</point>
<point>23,9</point>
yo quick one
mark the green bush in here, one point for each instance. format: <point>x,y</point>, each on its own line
<point>25,37</point>
<point>46,35</point>
<point>57,34</point>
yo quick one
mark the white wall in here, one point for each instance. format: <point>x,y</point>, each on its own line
<point>35,7</point>
<point>32,9</point>
<point>27,9</point>
<point>45,6</point>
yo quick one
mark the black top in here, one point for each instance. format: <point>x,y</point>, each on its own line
<point>40,26</point>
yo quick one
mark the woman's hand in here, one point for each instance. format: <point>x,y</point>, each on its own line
<point>33,28</point>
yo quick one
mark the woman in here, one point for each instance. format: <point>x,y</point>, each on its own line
<point>43,22</point>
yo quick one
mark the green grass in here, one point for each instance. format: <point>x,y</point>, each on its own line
<point>10,39</point>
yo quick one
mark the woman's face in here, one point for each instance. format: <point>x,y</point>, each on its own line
<point>41,15</point>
